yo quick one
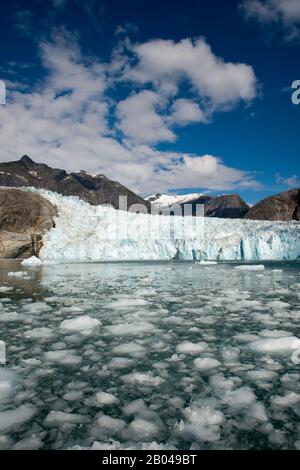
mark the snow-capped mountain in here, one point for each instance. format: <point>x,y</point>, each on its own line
<point>224,206</point>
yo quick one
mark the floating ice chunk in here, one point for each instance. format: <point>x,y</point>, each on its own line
<point>202,423</point>
<point>131,329</point>
<point>206,363</point>
<point>58,418</point>
<point>18,274</point>
<point>127,303</point>
<point>128,349</point>
<point>275,345</point>
<point>274,333</point>
<point>5,289</point>
<point>250,267</point>
<point>204,415</point>
<point>110,426</point>
<point>240,398</point>
<point>278,304</point>
<point>74,395</point>
<point>141,429</point>
<point>139,378</point>
<point>104,398</point>
<point>37,307</point>
<point>84,322</point>
<point>29,443</point>
<point>64,356</point>
<point>258,412</point>
<point>42,333</point>
<point>220,383</point>
<point>32,361</point>
<point>8,378</point>
<point>186,347</point>
<point>116,445</point>
<point>33,261</point>
<point>245,337</point>
<point>12,419</point>
<point>135,407</point>
<point>262,374</point>
<point>8,317</point>
<point>289,399</point>
<point>120,363</point>
<point>207,263</point>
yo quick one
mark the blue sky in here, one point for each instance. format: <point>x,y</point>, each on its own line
<point>162,96</point>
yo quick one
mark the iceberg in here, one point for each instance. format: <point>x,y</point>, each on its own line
<point>99,233</point>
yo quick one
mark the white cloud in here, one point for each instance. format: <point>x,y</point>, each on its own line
<point>68,121</point>
<point>185,111</point>
<point>140,121</point>
<point>284,12</point>
<point>290,181</point>
<point>168,63</point>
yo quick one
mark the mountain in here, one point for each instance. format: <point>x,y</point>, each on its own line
<point>229,206</point>
<point>92,189</point>
<point>284,206</point>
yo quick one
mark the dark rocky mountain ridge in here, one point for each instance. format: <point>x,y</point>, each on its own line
<point>284,206</point>
<point>93,189</point>
<point>101,190</point>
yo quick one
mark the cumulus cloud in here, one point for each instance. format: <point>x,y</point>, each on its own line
<point>168,63</point>
<point>69,120</point>
<point>140,119</point>
<point>283,12</point>
<point>185,111</point>
<point>290,181</point>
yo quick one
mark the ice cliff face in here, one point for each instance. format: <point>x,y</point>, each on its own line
<point>85,232</point>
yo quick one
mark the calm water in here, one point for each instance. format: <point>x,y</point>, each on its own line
<point>155,355</point>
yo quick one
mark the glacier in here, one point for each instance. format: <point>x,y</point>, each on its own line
<point>99,233</point>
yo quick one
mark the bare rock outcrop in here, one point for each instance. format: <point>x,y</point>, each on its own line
<point>282,207</point>
<point>24,218</point>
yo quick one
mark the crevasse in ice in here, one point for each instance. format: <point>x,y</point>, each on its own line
<point>99,233</point>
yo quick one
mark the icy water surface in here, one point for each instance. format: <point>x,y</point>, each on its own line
<point>150,355</point>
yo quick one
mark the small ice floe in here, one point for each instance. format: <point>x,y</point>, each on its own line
<point>42,333</point>
<point>9,317</point>
<point>206,363</point>
<point>143,429</point>
<point>250,267</point>
<point>207,263</point>
<point>201,424</point>
<point>18,274</point>
<point>288,400</point>
<point>110,426</point>
<point>8,379</point>
<point>129,349</point>
<point>187,347</point>
<point>131,329</point>
<point>79,324</point>
<point>139,378</point>
<point>5,289</point>
<point>104,398</point>
<point>64,356</point>
<point>282,345</point>
<point>59,418</point>
<point>12,419</point>
<point>32,261</point>
<point>240,398</point>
